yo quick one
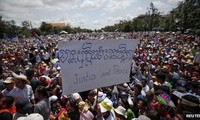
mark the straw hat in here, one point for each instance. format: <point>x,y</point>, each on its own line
<point>120,110</point>
<point>155,79</point>
<point>21,77</point>
<point>8,80</point>
<point>83,106</point>
<point>189,62</point>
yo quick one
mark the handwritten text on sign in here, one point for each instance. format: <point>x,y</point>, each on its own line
<point>87,64</point>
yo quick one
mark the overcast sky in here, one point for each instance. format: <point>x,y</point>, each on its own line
<point>92,14</point>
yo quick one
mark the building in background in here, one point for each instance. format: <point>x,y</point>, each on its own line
<point>57,24</point>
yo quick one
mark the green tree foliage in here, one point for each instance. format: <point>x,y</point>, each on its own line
<point>26,24</point>
<point>193,17</point>
<point>149,21</point>
<point>126,27</point>
<point>56,30</point>
<point>7,28</point>
<point>185,17</point>
<point>153,17</point>
<point>25,30</point>
<point>68,29</point>
<point>2,27</point>
<point>37,31</point>
<point>46,28</point>
<point>109,28</point>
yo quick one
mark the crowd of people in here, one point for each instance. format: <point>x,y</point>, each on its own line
<point>164,80</point>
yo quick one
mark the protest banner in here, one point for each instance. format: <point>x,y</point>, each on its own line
<point>89,64</point>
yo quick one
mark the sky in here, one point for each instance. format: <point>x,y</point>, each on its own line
<point>90,14</point>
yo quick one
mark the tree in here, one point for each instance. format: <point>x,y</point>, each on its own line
<point>46,28</point>
<point>26,24</point>
<point>68,29</point>
<point>37,31</point>
<point>2,27</point>
<point>127,28</point>
<point>186,16</point>
<point>153,14</point>
<point>193,17</point>
<point>26,29</point>
<point>56,30</point>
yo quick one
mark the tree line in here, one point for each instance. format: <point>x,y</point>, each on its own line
<point>10,29</point>
<point>184,18</point>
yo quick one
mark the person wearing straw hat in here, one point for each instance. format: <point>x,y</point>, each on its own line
<point>85,113</point>
<point>22,88</point>
<point>9,85</point>
<point>120,113</point>
<point>188,104</point>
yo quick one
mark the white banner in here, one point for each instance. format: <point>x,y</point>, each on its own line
<point>90,64</point>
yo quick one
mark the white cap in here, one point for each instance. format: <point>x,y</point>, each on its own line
<point>33,116</point>
<point>101,96</point>
<point>106,105</point>
<point>58,68</point>
<point>53,98</point>
<point>76,96</point>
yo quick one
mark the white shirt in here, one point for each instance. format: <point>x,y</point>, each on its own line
<point>46,56</point>
<point>26,93</point>
<point>143,93</point>
<point>197,57</point>
<point>150,84</point>
<point>146,89</point>
<point>134,66</point>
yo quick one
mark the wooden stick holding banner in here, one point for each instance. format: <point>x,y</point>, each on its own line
<point>97,107</point>
<point>94,106</point>
<point>97,96</point>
